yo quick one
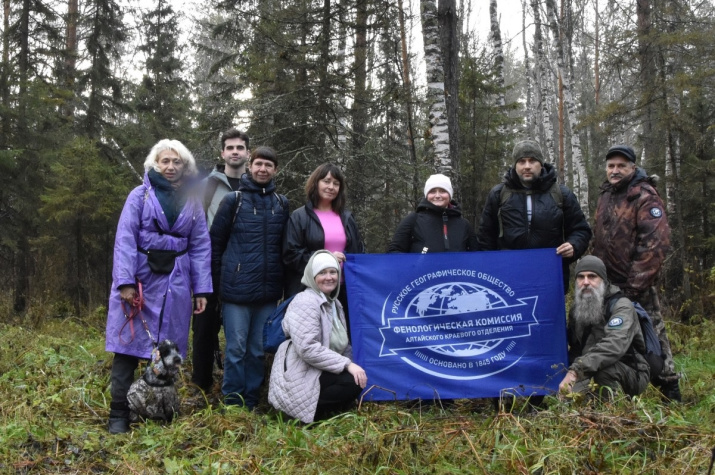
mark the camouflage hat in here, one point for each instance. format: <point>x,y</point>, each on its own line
<point>527,148</point>
<point>623,150</point>
<point>592,264</point>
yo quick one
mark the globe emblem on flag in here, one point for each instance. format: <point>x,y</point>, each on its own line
<point>456,298</point>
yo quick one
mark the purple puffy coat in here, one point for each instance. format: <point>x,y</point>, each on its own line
<point>192,272</point>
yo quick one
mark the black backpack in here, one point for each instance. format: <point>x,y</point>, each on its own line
<point>654,351</point>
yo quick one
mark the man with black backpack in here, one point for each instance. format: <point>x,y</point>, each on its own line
<point>606,343</point>
<point>632,237</point>
<point>224,179</point>
<point>531,210</point>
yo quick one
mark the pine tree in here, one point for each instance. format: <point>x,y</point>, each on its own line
<point>161,102</point>
<point>81,205</point>
<point>98,84</point>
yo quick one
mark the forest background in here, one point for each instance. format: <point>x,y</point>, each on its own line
<point>87,87</point>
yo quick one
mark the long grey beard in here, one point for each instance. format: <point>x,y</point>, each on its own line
<point>588,308</point>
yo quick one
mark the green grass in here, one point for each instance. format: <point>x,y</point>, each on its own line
<point>54,399</point>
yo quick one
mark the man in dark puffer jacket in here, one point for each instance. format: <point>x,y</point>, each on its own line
<point>246,240</point>
<point>531,217</point>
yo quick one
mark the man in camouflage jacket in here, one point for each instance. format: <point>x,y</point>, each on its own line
<point>632,238</point>
<point>605,344</point>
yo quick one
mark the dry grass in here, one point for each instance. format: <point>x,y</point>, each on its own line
<point>54,405</point>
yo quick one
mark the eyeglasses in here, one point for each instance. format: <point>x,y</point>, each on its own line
<point>239,148</point>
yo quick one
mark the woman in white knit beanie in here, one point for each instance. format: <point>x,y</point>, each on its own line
<point>437,225</point>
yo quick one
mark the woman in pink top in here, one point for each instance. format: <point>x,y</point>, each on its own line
<point>323,223</point>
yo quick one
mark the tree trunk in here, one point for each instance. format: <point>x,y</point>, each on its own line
<point>22,254</point>
<point>5,79</point>
<point>543,85</point>
<point>596,60</point>
<point>407,83</point>
<point>323,80</point>
<point>438,148</point>
<point>498,53</point>
<point>679,275</point>
<point>648,73</point>
<point>580,186</point>
<point>530,80</point>
<point>341,66</point>
<point>359,116</point>
<point>449,44</point>
<point>70,53</point>
<point>358,189</point>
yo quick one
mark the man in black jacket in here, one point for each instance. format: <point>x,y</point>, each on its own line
<point>223,179</point>
<point>530,210</point>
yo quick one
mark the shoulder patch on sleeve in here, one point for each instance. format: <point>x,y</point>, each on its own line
<point>656,212</point>
<point>615,322</point>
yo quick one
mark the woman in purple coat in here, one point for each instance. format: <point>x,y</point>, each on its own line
<point>162,244</point>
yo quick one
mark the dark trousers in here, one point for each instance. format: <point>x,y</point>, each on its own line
<point>337,394</point>
<point>206,327</point>
<point>122,377</point>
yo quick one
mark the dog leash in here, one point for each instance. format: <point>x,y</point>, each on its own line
<point>134,311</point>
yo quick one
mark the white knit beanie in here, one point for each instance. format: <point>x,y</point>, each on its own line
<point>439,181</point>
<point>323,261</point>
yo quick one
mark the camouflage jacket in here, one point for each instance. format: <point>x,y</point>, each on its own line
<point>631,235</point>
<point>596,347</point>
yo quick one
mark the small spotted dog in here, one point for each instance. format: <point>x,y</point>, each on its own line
<point>154,396</point>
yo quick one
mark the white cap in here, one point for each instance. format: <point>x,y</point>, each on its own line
<point>439,181</point>
<point>323,261</point>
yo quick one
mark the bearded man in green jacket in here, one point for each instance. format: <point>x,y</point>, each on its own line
<point>605,339</point>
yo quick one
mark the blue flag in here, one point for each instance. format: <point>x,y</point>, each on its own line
<point>458,325</point>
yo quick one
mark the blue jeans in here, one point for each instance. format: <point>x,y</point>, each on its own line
<point>243,366</point>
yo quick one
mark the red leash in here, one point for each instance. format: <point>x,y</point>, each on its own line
<point>134,311</point>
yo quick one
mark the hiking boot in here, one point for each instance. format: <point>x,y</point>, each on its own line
<point>119,415</point>
<point>118,425</point>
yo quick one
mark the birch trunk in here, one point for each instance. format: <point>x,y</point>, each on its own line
<point>580,182</point>
<point>543,85</point>
<point>438,149</point>
<point>449,45</point>
<point>341,56</point>
<point>530,81</point>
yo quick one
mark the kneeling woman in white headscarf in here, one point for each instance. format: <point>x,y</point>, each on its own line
<point>313,375</point>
